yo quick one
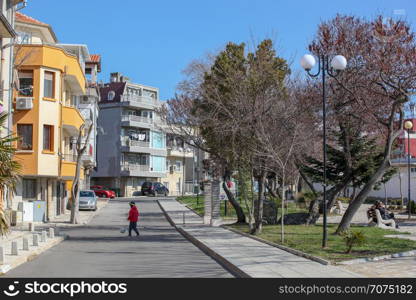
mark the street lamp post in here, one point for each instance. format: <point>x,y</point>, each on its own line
<point>338,63</point>
<point>408,125</point>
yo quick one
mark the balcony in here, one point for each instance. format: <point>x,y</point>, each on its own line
<point>137,101</point>
<point>69,157</point>
<point>140,171</point>
<point>88,160</point>
<point>128,145</point>
<point>56,58</point>
<point>179,152</point>
<point>136,121</point>
<point>71,120</point>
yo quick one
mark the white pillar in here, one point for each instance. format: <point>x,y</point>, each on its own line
<point>25,244</point>
<point>35,239</point>
<point>2,255</point>
<point>51,233</point>
<point>15,250</point>
<point>43,236</point>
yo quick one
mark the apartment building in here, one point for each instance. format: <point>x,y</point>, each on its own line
<point>131,145</point>
<point>87,105</point>
<point>46,119</point>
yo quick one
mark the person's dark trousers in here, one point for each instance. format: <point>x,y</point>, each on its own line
<point>133,226</point>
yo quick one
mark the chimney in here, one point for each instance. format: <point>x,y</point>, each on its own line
<point>115,77</point>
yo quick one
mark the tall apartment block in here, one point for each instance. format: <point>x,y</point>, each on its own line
<point>131,146</point>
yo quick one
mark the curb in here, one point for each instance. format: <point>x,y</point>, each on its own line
<point>226,264</point>
<point>31,255</point>
<point>284,248</point>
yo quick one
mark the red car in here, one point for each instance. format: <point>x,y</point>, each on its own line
<point>102,192</point>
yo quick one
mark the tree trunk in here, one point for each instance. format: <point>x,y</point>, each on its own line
<point>385,194</point>
<point>75,185</point>
<point>282,226</point>
<point>362,195</point>
<point>401,191</point>
<point>75,193</point>
<point>241,217</point>
<point>354,192</point>
<point>258,212</point>
<point>332,193</point>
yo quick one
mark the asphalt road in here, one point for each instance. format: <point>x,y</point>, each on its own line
<point>100,250</point>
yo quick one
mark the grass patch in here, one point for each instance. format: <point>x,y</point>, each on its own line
<point>193,202</point>
<point>308,239</point>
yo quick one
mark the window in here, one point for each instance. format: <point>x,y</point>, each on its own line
<point>86,194</point>
<point>49,85</point>
<point>413,170</point>
<point>178,165</point>
<point>158,140</point>
<point>24,38</point>
<point>26,83</point>
<point>158,163</point>
<point>48,138</point>
<point>24,132</point>
<point>29,188</point>
<point>111,95</point>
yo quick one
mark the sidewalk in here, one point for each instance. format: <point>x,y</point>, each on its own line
<point>243,255</point>
<point>22,231</point>
<point>12,261</point>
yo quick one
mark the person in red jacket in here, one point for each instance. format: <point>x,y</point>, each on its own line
<point>133,218</point>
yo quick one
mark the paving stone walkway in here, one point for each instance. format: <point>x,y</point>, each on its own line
<point>394,267</point>
<point>252,257</point>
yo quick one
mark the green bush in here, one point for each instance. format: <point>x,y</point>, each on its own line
<point>353,238</point>
<point>413,207</point>
<point>372,200</point>
<point>344,199</point>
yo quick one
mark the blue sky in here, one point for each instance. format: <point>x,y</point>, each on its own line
<point>152,41</point>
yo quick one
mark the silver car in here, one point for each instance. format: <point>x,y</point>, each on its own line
<point>87,200</point>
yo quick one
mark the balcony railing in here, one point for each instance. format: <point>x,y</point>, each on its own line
<point>138,99</point>
<point>131,143</point>
<point>126,118</point>
<point>69,157</point>
<point>135,167</point>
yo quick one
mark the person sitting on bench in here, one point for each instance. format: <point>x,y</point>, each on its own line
<point>385,214</point>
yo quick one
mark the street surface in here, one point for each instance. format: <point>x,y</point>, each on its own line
<point>100,250</point>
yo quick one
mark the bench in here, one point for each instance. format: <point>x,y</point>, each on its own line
<point>385,224</point>
<point>338,208</point>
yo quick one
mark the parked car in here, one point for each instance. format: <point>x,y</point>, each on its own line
<point>87,200</point>
<point>154,188</point>
<point>102,192</point>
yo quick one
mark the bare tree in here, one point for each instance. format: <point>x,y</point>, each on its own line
<point>81,146</point>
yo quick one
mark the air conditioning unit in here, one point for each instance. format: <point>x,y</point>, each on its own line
<point>24,103</point>
<point>84,99</point>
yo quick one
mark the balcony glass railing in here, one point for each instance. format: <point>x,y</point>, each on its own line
<point>133,118</point>
<point>133,167</point>
<point>131,143</point>
<point>69,157</point>
<point>138,99</point>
